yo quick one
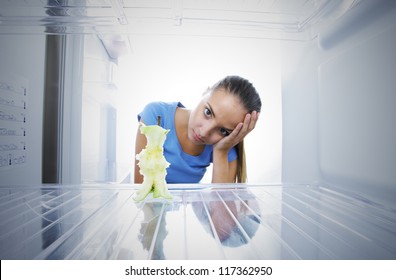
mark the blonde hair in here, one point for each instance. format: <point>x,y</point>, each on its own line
<point>241,174</point>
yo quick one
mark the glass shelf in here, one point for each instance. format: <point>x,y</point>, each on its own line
<point>201,222</point>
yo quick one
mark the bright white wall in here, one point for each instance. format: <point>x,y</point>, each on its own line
<point>176,68</point>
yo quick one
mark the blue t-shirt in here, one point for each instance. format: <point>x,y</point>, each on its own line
<point>184,168</point>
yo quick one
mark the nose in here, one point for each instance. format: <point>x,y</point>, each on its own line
<point>205,131</point>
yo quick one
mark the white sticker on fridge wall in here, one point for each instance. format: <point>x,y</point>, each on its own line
<point>13,121</point>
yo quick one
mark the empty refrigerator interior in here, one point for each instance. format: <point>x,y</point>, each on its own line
<point>321,162</point>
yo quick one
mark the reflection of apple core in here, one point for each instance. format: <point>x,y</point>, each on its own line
<point>153,164</point>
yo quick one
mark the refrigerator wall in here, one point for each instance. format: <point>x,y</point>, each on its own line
<point>21,102</point>
<point>98,114</point>
<point>338,104</point>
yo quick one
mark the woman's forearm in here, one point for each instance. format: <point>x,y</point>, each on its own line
<point>223,171</point>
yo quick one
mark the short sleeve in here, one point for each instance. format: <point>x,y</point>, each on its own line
<point>232,154</point>
<point>150,113</point>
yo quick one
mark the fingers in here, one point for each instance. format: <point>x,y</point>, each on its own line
<point>249,123</point>
<point>253,119</point>
<point>242,129</point>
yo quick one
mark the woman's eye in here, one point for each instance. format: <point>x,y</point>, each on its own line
<point>224,132</point>
<point>207,112</point>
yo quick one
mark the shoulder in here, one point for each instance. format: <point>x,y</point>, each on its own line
<point>162,106</point>
<point>155,105</point>
<point>157,108</point>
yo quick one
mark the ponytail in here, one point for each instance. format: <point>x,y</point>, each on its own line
<point>241,174</point>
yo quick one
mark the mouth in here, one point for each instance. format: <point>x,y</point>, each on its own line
<point>197,138</point>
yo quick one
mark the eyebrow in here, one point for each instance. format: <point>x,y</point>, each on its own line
<point>211,110</point>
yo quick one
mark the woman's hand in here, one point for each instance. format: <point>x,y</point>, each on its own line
<point>239,132</point>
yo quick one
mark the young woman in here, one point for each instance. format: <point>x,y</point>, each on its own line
<point>213,132</point>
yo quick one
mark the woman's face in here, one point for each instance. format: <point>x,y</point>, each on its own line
<point>215,117</point>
